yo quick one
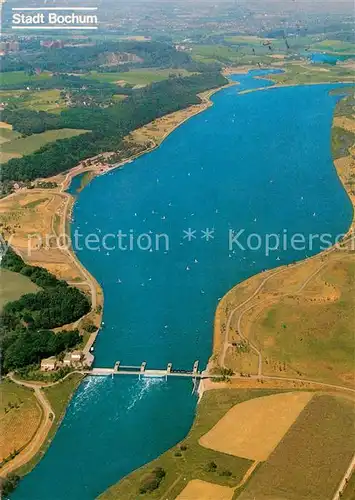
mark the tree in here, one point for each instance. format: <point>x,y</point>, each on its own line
<point>211,466</point>
<point>9,484</point>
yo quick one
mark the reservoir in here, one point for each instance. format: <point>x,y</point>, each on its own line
<point>258,162</point>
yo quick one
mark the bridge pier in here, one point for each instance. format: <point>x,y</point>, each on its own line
<point>195,368</point>
<point>168,370</point>
<point>142,368</point>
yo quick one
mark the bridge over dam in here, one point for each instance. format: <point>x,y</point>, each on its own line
<point>142,371</point>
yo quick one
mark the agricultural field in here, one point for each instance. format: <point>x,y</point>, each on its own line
<point>19,77</point>
<point>189,461</point>
<point>37,213</point>
<point>41,100</point>
<point>7,134</point>
<point>208,491</point>
<point>230,55</point>
<point>335,47</point>
<point>20,417</point>
<point>137,76</point>
<point>27,145</point>
<point>118,98</point>
<point>296,74</point>
<point>311,460</point>
<point>13,286</point>
<point>262,423</point>
<point>248,40</point>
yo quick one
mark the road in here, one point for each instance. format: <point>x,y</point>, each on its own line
<point>41,435</point>
<point>226,343</point>
<point>344,481</point>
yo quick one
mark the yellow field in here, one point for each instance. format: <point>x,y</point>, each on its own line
<point>201,490</point>
<point>20,417</point>
<point>254,428</point>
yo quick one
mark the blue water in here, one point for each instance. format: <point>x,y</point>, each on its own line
<point>257,161</point>
<point>319,58</point>
<point>75,184</point>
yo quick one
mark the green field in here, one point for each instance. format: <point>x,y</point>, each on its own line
<point>345,107</point>
<point>335,47</point>
<point>58,395</point>
<point>6,135</point>
<point>309,333</point>
<point>119,97</point>
<point>297,74</point>
<point>342,140</point>
<point>13,286</point>
<point>312,458</point>
<point>19,77</point>
<point>230,55</point>
<point>137,76</point>
<point>41,100</point>
<point>182,465</point>
<point>247,40</point>
<point>27,145</point>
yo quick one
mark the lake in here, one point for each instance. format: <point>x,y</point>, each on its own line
<point>260,163</point>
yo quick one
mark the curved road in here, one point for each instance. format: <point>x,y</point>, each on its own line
<point>39,438</point>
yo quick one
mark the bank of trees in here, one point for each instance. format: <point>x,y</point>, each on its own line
<point>24,347</point>
<point>55,305</point>
<point>90,57</point>
<point>25,334</point>
<point>29,122</point>
<point>109,126</point>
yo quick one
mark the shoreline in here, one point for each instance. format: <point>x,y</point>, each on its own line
<point>64,181</point>
<point>220,342</point>
<point>96,290</point>
<point>285,85</point>
<point>99,298</point>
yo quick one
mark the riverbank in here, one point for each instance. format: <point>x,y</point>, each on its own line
<point>47,211</point>
<point>244,342</point>
<point>53,400</point>
<point>177,462</point>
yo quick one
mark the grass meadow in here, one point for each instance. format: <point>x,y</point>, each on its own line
<point>27,145</point>
<point>13,286</point>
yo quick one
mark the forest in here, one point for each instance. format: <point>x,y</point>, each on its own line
<point>24,334</point>
<point>89,57</point>
<point>108,125</point>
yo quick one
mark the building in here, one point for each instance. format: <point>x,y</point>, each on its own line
<point>67,359</point>
<point>52,44</point>
<point>9,46</point>
<point>49,364</point>
<point>76,356</point>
